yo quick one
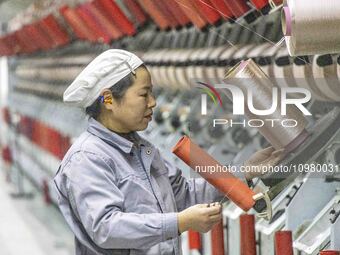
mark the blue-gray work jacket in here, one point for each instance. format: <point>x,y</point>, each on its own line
<point>119,198</point>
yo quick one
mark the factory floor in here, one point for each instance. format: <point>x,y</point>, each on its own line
<point>29,226</point>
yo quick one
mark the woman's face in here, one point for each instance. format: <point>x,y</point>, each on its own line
<point>134,111</point>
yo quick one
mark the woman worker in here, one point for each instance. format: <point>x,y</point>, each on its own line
<point>115,190</point>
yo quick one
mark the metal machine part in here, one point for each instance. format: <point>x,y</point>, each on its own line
<point>305,205</point>
<point>193,61</point>
<point>317,235</point>
<point>232,213</point>
<point>303,75</point>
<point>283,69</point>
<point>157,66</point>
<point>266,61</point>
<point>266,229</point>
<point>259,51</point>
<point>212,62</point>
<point>325,75</point>
<point>224,61</point>
<point>200,63</point>
<point>180,69</point>
<point>335,236</point>
<point>322,134</point>
<point>163,68</point>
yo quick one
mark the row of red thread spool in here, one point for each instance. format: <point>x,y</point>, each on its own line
<point>100,20</point>
<point>47,138</point>
<point>94,21</point>
<point>283,239</point>
<point>177,13</point>
<point>5,149</point>
<point>41,35</point>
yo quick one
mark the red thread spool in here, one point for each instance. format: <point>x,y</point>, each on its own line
<point>12,41</point>
<point>195,5</point>
<point>217,239</point>
<point>277,2</point>
<point>247,229</point>
<point>259,4</point>
<point>190,9</point>
<point>156,14</point>
<point>177,12</point>
<point>44,37</point>
<point>238,7</point>
<point>162,6</point>
<point>105,20</point>
<point>54,144</point>
<point>79,27</point>
<point>36,132</point>
<point>283,243</point>
<point>93,24</point>
<point>330,252</point>
<point>117,16</point>
<point>194,240</point>
<point>223,8</point>
<point>25,45</point>
<point>207,9</point>
<point>31,39</point>
<point>236,190</point>
<point>6,115</point>
<point>44,138</point>
<point>136,10</point>
<point>65,145</point>
<point>46,191</point>
<point>41,38</point>
<point>5,50</point>
<point>7,155</point>
<point>57,33</point>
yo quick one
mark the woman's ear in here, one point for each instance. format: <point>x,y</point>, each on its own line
<point>107,98</point>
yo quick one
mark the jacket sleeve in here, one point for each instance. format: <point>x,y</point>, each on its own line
<point>191,191</point>
<point>98,203</point>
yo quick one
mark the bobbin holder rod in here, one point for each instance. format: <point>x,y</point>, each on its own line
<point>263,206</point>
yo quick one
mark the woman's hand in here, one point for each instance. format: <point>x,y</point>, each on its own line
<point>266,157</point>
<point>200,217</point>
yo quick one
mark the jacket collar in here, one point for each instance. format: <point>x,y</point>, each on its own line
<point>96,128</point>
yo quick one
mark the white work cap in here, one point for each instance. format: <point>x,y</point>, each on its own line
<point>103,72</point>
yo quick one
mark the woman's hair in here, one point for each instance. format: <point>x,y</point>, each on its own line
<point>118,91</point>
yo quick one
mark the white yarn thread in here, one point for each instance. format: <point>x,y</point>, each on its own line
<point>210,71</point>
<point>314,25</point>
<point>326,80</point>
<point>249,77</point>
<point>304,77</point>
<point>227,54</point>
<point>283,75</point>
